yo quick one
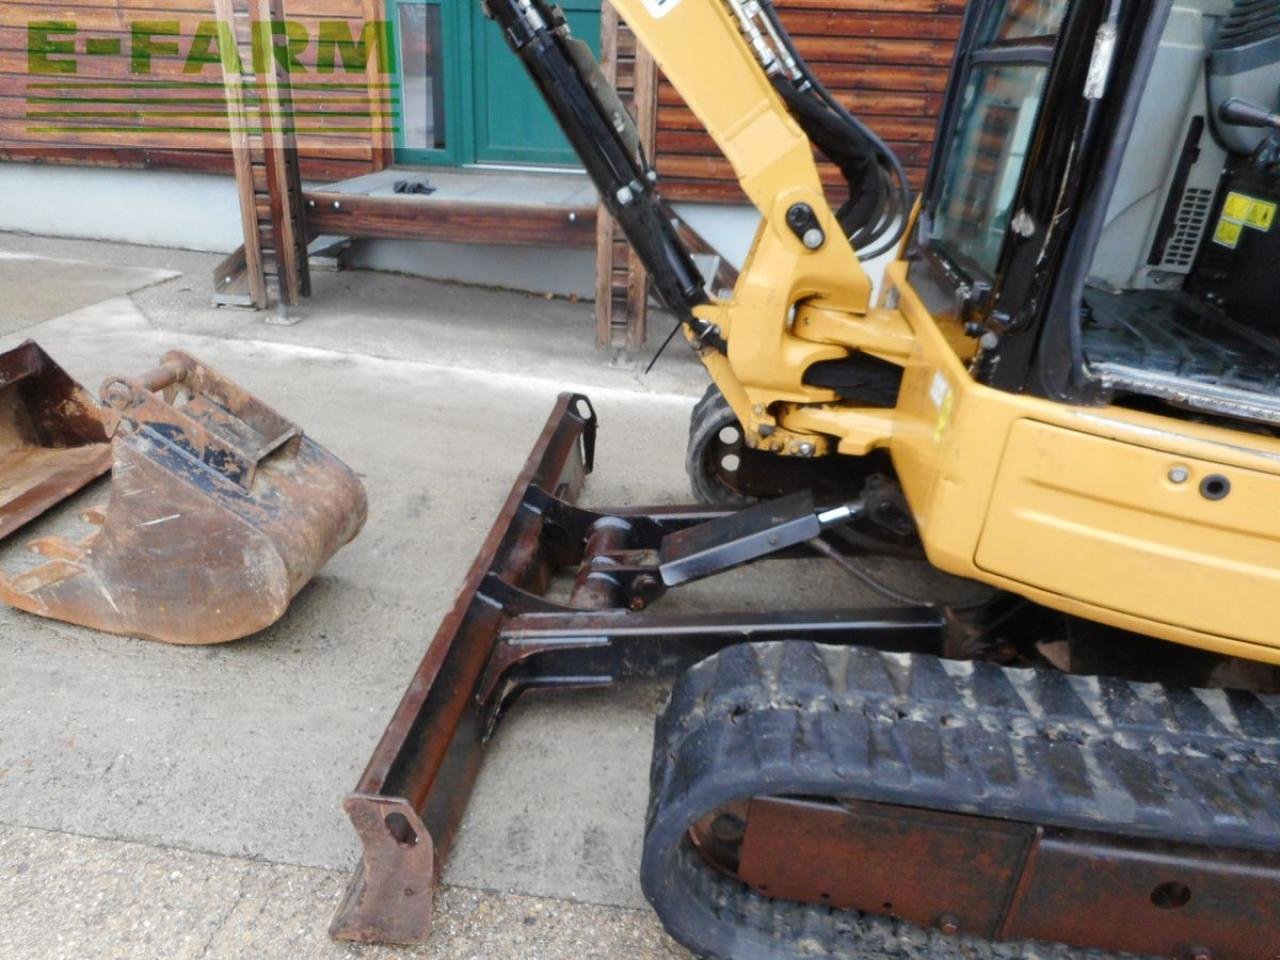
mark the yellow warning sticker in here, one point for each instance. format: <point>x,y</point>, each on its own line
<point>1228,233</point>
<point>1252,212</point>
<point>1237,207</point>
<point>1261,216</point>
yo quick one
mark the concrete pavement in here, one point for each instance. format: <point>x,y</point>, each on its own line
<point>68,897</point>
<point>161,801</point>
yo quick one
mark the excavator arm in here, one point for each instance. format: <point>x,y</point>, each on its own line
<point>738,72</point>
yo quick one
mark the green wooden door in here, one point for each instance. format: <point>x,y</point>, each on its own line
<point>512,122</point>
<point>464,97</point>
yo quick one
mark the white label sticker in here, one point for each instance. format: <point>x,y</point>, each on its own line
<point>938,390</point>
<point>660,8</point>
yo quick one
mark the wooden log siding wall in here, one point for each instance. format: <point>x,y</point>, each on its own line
<point>886,60</point>
<point>170,135</point>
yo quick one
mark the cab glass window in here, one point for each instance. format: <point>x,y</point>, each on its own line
<point>985,163</point>
<point>1030,18</point>
<point>989,136</point>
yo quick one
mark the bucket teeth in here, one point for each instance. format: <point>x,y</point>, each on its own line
<point>219,510</point>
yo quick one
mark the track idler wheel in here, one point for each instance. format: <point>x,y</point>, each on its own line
<point>723,470</point>
<point>714,457</point>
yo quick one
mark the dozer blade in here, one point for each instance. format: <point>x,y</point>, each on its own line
<point>511,629</point>
<point>823,783</point>
<point>219,511</point>
<point>54,438</point>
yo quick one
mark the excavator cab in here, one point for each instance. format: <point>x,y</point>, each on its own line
<point>1092,234</point>
<point>1149,289</point>
<point>1063,395</point>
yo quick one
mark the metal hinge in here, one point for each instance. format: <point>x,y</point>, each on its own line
<point>1104,51</point>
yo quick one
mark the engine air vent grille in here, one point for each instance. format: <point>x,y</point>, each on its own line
<point>1249,22</point>
<point>1188,229</point>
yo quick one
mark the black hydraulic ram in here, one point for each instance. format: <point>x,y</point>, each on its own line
<point>606,140</point>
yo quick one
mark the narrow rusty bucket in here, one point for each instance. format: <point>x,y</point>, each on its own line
<point>54,438</point>
<point>219,511</point>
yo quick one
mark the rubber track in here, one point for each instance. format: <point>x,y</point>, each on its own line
<point>798,718</point>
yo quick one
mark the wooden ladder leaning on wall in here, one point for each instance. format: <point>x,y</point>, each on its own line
<point>272,262</point>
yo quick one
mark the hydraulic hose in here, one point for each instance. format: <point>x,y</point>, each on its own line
<point>872,231</point>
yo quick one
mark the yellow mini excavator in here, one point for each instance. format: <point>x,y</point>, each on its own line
<point>1067,396</point>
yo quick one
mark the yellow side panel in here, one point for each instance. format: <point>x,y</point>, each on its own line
<point>1102,522</point>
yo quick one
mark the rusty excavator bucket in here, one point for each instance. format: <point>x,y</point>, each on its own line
<point>54,438</point>
<point>218,511</point>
